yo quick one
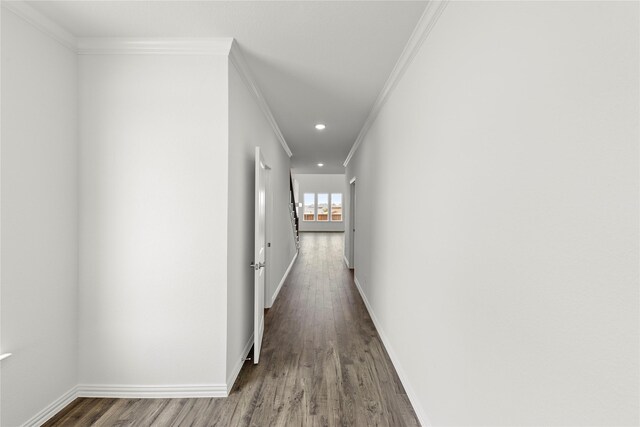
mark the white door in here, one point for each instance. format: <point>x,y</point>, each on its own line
<point>352,224</point>
<point>260,251</point>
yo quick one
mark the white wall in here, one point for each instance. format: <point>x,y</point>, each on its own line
<point>39,220</point>
<point>321,183</point>
<point>248,128</point>
<point>509,294</point>
<point>125,232</point>
<point>153,228</point>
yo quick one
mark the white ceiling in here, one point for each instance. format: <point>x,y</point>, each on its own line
<point>314,61</point>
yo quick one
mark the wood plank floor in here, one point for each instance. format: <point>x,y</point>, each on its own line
<point>323,364</point>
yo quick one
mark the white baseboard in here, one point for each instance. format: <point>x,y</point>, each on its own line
<point>286,273</point>
<point>52,409</point>
<point>137,392</point>
<point>126,391</point>
<point>346,261</point>
<point>231,380</point>
<point>152,391</point>
<point>320,231</point>
<point>404,378</point>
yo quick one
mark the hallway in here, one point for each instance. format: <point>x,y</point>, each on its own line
<point>322,363</point>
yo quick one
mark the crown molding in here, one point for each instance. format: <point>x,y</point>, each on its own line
<point>426,23</point>
<point>237,59</point>
<point>41,22</point>
<point>115,45</point>
<point>141,46</point>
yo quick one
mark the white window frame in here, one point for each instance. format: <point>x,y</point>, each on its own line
<point>331,207</point>
<point>315,207</point>
<point>318,207</point>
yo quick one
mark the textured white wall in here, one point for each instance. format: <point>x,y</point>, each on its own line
<point>497,216</point>
<point>321,183</point>
<point>248,128</point>
<point>153,229</point>
<point>39,220</point>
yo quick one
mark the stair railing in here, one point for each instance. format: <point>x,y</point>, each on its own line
<point>293,211</point>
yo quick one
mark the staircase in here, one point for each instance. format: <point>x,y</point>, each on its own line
<point>293,212</point>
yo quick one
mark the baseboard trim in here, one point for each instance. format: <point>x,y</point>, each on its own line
<point>231,380</point>
<point>127,391</point>
<point>346,261</point>
<point>404,378</point>
<point>286,274</point>
<point>153,391</point>
<point>136,392</point>
<point>52,409</point>
<point>321,231</point>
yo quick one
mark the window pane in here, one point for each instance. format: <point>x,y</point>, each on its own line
<point>309,207</point>
<point>336,207</point>
<point>323,207</point>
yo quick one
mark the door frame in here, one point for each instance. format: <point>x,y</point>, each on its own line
<point>351,235</point>
<point>259,263</point>
<point>269,214</point>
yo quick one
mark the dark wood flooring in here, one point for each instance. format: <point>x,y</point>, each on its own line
<point>323,364</point>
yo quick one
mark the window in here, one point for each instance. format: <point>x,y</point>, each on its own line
<point>336,206</point>
<point>323,207</point>
<point>309,213</point>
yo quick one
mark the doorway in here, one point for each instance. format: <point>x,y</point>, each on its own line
<point>351,232</point>
<point>269,237</point>
<point>262,192</point>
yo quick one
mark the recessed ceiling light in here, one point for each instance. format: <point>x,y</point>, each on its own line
<point>320,126</point>
<point>321,164</point>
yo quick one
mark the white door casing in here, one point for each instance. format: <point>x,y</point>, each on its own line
<point>351,232</point>
<point>269,239</point>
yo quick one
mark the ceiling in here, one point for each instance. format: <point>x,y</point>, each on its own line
<point>314,61</point>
